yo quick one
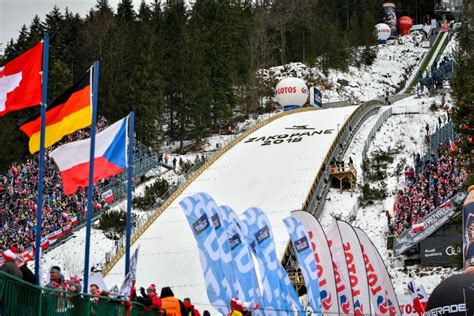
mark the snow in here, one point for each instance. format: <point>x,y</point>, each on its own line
<point>277,177</point>
<point>394,63</point>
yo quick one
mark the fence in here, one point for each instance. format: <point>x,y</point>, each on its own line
<point>382,118</point>
<point>18,298</point>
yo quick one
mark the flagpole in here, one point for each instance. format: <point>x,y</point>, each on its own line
<point>90,188</point>
<point>39,203</point>
<point>129,196</point>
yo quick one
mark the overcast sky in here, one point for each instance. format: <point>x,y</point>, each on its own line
<point>15,13</point>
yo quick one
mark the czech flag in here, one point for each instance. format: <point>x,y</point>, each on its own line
<point>20,81</point>
<point>110,157</point>
<point>69,112</point>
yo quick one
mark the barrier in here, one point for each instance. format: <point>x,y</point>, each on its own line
<point>20,298</point>
<point>380,121</point>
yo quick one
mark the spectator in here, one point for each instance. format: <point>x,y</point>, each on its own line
<point>240,308</point>
<point>170,304</point>
<point>206,313</point>
<point>150,298</point>
<point>190,310</point>
<point>28,275</point>
<point>56,279</point>
<point>9,265</point>
<point>437,181</point>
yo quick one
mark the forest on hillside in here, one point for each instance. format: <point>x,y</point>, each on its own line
<point>189,70</point>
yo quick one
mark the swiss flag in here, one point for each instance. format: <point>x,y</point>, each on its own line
<point>20,81</point>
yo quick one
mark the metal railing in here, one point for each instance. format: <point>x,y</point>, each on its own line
<point>380,121</point>
<point>18,298</point>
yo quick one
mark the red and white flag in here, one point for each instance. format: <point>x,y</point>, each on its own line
<point>418,294</point>
<point>417,227</point>
<point>73,220</point>
<point>108,196</point>
<point>20,81</point>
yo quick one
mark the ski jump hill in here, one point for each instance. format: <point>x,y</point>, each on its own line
<point>274,167</point>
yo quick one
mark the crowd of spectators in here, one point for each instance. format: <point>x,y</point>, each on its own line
<point>18,198</point>
<point>428,184</point>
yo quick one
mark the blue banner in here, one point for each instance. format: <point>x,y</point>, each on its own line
<point>227,265</point>
<point>305,255</point>
<point>209,252</point>
<point>245,275</point>
<point>279,295</point>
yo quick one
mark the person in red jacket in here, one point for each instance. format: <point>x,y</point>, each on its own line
<point>150,298</point>
<point>190,310</point>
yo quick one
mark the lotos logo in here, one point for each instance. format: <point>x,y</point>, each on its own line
<point>358,309</point>
<point>345,306</point>
<point>326,300</point>
<point>326,297</point>
<point>283,90</point>
<point>391,308</point>
<point>303,90</point>
<point>382,304</point>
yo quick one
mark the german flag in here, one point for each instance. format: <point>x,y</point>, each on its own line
<point>69,112</point>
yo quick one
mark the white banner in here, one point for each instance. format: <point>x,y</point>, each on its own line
<point>341,272</point>
<point>356,267</point>
<point>319,243</point>
<point>381,289</point>
<point>131,276</point>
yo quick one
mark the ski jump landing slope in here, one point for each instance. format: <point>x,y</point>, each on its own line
<point>272,168</point>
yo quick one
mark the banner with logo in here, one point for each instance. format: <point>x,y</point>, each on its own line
<point>382,293</point>
<point>441,251</point>
<point>341,272</point>
<point>315,97</point>
<point>356,267</point>
<point>304,253</point>
<point>468,231</point>
<point>227,265</point>
<point>430,223</point>
<point>323,257</point>
<point>279,296</point>
<point>209,252</point>
<point>245,275</point>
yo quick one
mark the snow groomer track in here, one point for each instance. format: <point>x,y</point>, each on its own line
<point>274,166</point>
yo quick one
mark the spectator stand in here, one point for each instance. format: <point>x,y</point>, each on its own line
<point>62,214</point>
<point>20,298</point>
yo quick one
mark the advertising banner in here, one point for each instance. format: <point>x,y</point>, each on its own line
<point>322,254</point>
<point>245,275</point>
<point>227,265</point>
<point>304,253</point>
<point>441,251</point>
<point>356,266</point>
<point>391,17</point>
<point>427,226</point>
<point>340,269</point>
<point>468,230</point>
<point>382,293</point>
<point>279,296</point>
<point>315,97</point>
<point>209,252</point>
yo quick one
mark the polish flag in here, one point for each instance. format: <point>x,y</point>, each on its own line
<point>110,157</point>
<point>418,227</point>
<point>20,81</point>
<point>44,243</point>
<point>74,220</point>
<point>419,297</point>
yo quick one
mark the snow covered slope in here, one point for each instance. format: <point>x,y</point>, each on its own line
<point>272,168</point>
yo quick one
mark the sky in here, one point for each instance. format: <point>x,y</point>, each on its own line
<point>15,13</point>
